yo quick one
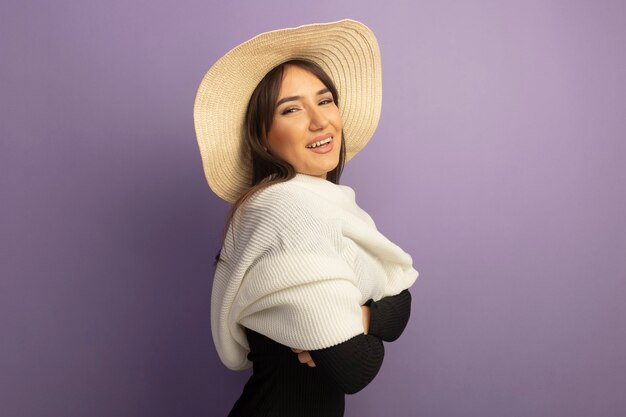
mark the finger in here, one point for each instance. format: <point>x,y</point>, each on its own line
<point>296,350</point>
<point>304,357</point>
<point>311,364</point>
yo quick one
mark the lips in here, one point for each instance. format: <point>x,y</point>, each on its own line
<point>325,148</point>
<point>318,139</point>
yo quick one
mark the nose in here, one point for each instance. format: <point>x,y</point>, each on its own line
<point>318,119</point>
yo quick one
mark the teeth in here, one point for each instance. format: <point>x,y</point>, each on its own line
<point>319,143</point>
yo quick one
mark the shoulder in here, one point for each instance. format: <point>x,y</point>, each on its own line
<point>279,202</point>
<point>285,211</point>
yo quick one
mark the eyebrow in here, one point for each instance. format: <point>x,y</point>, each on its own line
<point>294,98</point>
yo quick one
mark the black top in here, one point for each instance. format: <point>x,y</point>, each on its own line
<point>281,386</point>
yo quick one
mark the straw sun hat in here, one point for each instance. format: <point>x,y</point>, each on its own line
<point>346,50</point>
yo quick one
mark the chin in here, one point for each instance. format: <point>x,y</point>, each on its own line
<point>320,170</point>
<point>328,169</point>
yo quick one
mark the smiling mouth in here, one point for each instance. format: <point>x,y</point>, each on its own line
<point>320,143</point>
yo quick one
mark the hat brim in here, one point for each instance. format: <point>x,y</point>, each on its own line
<point>346,50</point>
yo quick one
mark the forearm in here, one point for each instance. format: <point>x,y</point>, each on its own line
<point>389,316</point>
<point>353,364</point>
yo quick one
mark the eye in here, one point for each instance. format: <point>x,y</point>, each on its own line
<point>289,110</point>
<point>326,100</point>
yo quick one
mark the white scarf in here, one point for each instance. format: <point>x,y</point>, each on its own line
<point>299,260</point>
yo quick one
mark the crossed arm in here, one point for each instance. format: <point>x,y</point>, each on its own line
<point>353,364</point>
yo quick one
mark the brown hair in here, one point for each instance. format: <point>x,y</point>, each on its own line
<point>267,169</point>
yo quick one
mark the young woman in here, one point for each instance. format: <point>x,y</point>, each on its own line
<point>306,289</point>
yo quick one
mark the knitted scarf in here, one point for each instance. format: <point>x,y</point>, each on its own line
<point>299,259</point>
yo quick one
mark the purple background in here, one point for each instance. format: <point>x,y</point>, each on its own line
<point>498,164</point>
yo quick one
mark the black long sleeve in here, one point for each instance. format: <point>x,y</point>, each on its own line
<point>353,364</point>
<point>389,316</point>
<point>281,386</point>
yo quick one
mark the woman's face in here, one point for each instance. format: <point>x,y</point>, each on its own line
<point>305,114</point>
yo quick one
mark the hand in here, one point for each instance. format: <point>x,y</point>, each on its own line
<point>365,310</point>
<point>304,357</point>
